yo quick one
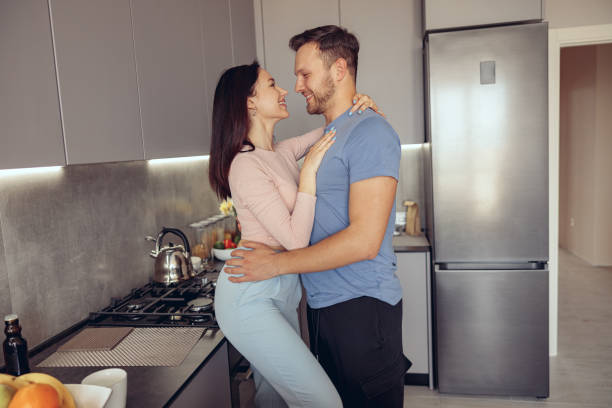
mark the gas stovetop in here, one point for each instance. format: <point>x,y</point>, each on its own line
<point>188,304</point>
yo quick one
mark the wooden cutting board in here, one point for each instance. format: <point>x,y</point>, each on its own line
<point>96,338</point>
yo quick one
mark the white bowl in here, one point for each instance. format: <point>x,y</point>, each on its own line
<point>223,254</point>
<point>89,396</point>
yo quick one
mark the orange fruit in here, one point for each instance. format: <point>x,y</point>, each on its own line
<point>35,396</point>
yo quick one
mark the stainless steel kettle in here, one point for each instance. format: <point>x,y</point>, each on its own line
<point>173,262</point>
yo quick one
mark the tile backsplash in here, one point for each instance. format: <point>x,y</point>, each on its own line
<point>72,239</point>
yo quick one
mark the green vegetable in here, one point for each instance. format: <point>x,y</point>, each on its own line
<point>219,245</point>
<point>237,239</point>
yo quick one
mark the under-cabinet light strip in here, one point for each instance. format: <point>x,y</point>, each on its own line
<point>178,159</point>
<point>30,170</point>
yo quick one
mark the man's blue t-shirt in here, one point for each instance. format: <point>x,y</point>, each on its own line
<point>366,146</point>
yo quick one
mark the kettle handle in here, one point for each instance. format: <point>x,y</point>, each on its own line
<point>174,231</point>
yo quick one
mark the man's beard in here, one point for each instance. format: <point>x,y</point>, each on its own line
<point>321,98</point>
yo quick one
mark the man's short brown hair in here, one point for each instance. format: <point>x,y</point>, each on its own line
<point>333,42</point>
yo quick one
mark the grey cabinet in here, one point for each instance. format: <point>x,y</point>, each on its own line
<point>171,84</point>
<point>243,31</point>
<point>218,48</point>
<point>97,79</point>
<point>390,60</point>
<point>181,50</point>
<point>115,80</point>
<point>281,20</point>
<point>210,387</point>
<point>444,14</point>
<point>30,125</point>
<point>413,271</point>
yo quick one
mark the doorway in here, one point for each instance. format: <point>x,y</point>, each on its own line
<point>558,39</point>
<point>580,149</point>
<point>585,152</point>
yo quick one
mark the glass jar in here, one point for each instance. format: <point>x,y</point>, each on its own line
<point>213,221</point>
<point>206,241</point>
<point>201,246</point>
<point>220,228</point>
<point>230,226</point>
<point>210,238</point>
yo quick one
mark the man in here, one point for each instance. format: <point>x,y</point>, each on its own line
<point>354,297</point>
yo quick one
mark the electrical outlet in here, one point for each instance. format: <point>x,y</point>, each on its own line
<point>572,222</point>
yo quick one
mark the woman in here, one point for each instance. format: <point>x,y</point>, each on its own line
<point>275,203</point>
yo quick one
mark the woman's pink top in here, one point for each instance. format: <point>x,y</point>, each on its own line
<point>264,187</point>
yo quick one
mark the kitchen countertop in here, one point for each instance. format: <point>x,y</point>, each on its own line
<point>147,386</point>
<point>408,243</point>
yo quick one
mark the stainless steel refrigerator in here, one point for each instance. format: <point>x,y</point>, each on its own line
<point>487,197</point>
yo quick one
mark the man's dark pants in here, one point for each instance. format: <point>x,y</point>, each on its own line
<point>359,344</point>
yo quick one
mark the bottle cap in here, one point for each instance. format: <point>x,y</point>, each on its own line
<point>10,318</point>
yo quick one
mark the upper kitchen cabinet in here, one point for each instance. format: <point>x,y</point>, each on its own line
<point>390,60</point>
<point>243,31</point>
<point>97,80</point>
<point>30,125</point>
<point>445,14</point>
<point>390,57</point>
<point>281,20</point>
<point>217,45</point>
<point>182,48</point>
<point>171,84</point>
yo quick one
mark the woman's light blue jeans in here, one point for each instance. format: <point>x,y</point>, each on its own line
<point>260,320</point>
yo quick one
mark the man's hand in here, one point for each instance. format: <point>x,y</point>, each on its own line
<point>256,264</point>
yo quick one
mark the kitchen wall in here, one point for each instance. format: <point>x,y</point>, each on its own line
<point>411,186</point>
<point>572,13</point>
<point>585,193</point>
<point>72,239</point>
<point>603,153</point>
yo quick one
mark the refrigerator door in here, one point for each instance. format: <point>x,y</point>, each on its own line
<point>488,128</point>
<point>492,332</point>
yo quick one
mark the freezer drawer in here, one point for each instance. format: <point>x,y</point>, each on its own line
<point>492,332</point>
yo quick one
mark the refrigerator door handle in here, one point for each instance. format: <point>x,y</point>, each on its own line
<point>462,266</point>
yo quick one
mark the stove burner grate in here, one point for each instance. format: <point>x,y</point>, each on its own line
<point>188,303</point>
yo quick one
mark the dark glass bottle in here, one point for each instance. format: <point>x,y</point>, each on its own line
<point>15,347</point>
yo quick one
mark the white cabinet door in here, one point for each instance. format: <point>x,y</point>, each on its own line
<point>170,65</point>
<point>97,80</point>
<point>390,60</point>
<point>281,20</point>
<point>412,271</point>
<point>30,127</point>
<point>444,14</point>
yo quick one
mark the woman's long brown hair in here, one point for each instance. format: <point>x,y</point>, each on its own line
<point>230,123</point>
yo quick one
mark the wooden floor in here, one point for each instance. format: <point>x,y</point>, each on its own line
<point>581,374</point>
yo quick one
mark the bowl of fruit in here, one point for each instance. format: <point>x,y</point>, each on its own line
<point>222,250</point>
<point>35,390</point>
